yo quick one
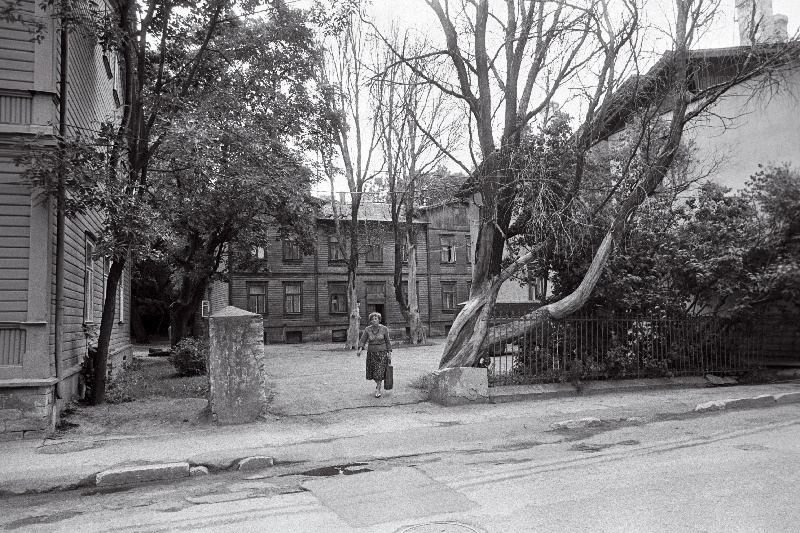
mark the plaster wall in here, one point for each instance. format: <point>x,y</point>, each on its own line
<point>751,126</point>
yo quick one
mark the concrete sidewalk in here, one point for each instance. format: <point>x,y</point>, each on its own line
<point>323,411</point>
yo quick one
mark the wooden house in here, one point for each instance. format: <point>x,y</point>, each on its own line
<point>304,297</point>
<point>30,400</point>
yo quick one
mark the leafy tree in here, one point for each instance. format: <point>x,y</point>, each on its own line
<point>712,253</point>
<point>350,134</point>
<point>162,46</point>
<point>231,167</point>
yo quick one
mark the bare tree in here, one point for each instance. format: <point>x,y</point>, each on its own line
<point>345,80</point>
<point>541,47</point>
<point>417,128</point>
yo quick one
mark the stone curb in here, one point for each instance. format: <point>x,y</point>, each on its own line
<point>519,393</point>
<point>130,475</point>
<point>764,400</point>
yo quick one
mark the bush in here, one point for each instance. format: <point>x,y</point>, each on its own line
<point>189,357</point>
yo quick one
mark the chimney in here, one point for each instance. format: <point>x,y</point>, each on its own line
<point>780,24</point>
<point>755,21</point>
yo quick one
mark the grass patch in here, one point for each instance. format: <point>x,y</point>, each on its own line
<point>154,378</point>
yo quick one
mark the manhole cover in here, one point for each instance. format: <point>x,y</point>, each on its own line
<point>439,527</point>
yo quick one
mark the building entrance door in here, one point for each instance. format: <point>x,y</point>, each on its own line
<point>376,308</point>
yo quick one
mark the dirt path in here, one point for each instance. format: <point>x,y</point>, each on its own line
<point>304,379</point>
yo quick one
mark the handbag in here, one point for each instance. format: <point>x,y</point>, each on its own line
<point>388,379</point>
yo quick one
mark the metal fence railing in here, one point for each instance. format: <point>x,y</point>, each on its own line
<point>591,348</point>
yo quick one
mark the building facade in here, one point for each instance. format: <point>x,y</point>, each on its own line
<point>304,297</point>
<point>30,400</point>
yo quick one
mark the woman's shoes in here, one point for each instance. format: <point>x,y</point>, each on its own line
<point>377,394</point>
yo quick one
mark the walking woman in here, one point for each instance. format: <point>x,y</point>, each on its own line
<point>379,350</point>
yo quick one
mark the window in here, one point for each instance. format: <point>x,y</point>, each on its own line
<point>374,253</point>
<point>106,270</point>
<point>292,298</point>
<point>448,296</point>
<point>334,249</point>
<point>258,252</point>
<point>337,292</point>
<point>404,289</point>
<point>469,249</point>
<point>291,251</point>
<point>405,250</point>
<point>376,292</point>
<point>121,298</point>
<point>88,281</point>
<point>257,298</point>
<point>448,247</point>
<point>539,288</point>
<point>205,309</point>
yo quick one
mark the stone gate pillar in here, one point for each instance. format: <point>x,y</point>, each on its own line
<point>237,385</point>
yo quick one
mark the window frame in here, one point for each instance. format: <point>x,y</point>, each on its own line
<point>404,289</point>
<point>264,296</point>
<point>258,252</point>
<point>453,293</point>
<point>371,257</point>
<point>298,296</point>
<point>121,298</point>
<point>335,253</point>
<point>291,251</point>
<point>340,290</point>
<point>449,250</point>
<point>88,279</point>
<point>468,241</point>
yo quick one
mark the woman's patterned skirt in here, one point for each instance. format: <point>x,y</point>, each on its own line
<point>376,364</point>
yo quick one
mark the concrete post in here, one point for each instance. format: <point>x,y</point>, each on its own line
<point>237,385</point>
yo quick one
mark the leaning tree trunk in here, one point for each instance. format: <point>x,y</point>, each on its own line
<point>100,361</point>
<point>469,329</point>
<point>556,310</point>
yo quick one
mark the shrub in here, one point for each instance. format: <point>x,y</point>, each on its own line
<point>189,357</point>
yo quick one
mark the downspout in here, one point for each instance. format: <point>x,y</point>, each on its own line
<point>60,211</point>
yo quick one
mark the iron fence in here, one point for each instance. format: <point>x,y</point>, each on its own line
<point>592,348</point>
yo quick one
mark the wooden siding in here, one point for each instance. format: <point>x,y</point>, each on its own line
<point>17,53</point>
<point>12,346</point>
<point>219,296</point>
<point>317,275</point>
<point>75,328</point>
<point>15,109</point>
<point>90,100</point>
<point>15,210</point>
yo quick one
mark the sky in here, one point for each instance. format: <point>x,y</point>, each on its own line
<point>418,16</point>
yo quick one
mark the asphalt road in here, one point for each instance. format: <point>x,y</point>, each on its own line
<point>722,471</point>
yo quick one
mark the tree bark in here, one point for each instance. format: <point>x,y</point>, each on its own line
<point>185,308</point>
<point>354,328</point>
<point>100,362</point>
<point>415,326</point>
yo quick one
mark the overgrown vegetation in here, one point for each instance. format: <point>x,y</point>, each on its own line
<point>716,252</point>
<point>190,357</point>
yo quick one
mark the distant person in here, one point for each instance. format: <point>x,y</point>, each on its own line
<point>379,350</point>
